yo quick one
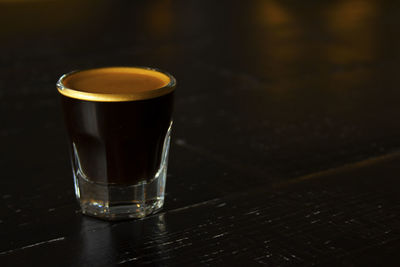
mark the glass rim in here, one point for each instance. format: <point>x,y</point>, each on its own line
<point>110,97</point>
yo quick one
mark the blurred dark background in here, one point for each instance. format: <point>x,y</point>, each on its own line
<point>274,88</point>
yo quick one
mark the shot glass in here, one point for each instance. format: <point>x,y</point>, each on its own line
<point>118,121</point>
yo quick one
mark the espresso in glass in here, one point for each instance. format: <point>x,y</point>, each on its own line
<point>118,121</point>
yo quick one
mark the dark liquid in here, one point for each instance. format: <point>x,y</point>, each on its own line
<point>117,142</point>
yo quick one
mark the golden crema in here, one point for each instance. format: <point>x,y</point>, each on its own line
<point>114,84</point>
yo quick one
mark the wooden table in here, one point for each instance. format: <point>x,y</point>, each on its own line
<point>285,143</point>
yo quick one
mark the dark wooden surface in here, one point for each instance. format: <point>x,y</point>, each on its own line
<point>285,145</point>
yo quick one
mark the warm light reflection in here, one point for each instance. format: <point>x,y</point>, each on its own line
<point>276,40</point>
<point>351,15</point>
<point>281,31</point>
<point>271,13</point>
<point>352,24</point>
<point>160,18</point>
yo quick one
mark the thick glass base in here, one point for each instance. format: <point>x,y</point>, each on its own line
<point>117,202</point>
<point>121,201</point>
